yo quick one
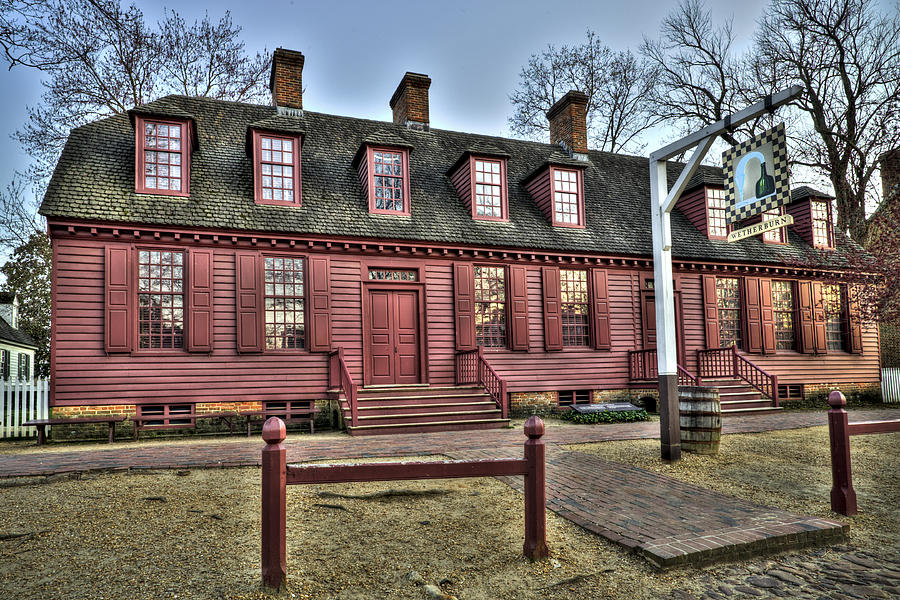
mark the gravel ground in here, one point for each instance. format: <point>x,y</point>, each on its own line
<point>195,534</point>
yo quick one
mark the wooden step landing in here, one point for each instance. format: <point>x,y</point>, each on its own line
<point>466,425</point>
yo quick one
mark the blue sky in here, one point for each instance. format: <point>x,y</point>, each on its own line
<point>356,52</point>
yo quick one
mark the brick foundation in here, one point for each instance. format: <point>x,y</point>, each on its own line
<point>523,404</point>
<point>89,431</point>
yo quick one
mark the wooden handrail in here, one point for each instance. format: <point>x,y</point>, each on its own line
<point>472,367</point>
<point>339,377</point>
<point>726,362</point>
<point>642,366</point>
<point>685,377</point>
<point>764,382</point>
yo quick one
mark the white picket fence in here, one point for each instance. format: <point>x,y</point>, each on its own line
<point>21,401</point>
<point>890,385</point>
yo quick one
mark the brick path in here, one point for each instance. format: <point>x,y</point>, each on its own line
<point>235,452</point>
<point>668,521</point>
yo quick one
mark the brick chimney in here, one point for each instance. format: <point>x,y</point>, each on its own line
<point>410,101</point>
<point>890,172</point>
<point>568,123</point>
<point>286,81</point>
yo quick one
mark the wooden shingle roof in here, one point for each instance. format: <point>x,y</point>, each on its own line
<point>94,180</point>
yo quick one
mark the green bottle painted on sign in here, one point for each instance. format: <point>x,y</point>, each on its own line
<point>765,185</point>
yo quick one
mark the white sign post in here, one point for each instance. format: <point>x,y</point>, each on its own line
<point>662,201</point>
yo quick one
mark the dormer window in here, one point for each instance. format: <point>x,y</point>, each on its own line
<point>162,159</point>
<point>566,197</point>
<point>774,236</point>
<point>822,227</point>
<point>480,181</point>
<point>715,214</point>
<point>559,193</point>
<point>385,175</point>
<point>489,194</point>
<point>276,168</point>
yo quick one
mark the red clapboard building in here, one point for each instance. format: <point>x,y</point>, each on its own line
<point>211,256</point>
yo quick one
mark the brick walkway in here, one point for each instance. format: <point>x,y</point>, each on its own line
<point>235,452</point>
<point>667,521</point>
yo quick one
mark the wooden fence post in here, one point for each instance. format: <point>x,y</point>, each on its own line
<point>274,493</point>
<point>843,496</point>
<point>535,491</point>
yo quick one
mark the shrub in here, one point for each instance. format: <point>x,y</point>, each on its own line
<point>622,416</point>
<point>856,398</point>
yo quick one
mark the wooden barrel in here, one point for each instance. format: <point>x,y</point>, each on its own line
<point>700,419</point>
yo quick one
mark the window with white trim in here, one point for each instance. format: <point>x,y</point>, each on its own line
<point>160,299</point>
<point>566,205</point>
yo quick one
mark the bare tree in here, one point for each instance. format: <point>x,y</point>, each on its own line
<point>100,58</point>
<point>698,79</point>
<point>18,215</point>
<point>846,55</point>
<point>616,84</point>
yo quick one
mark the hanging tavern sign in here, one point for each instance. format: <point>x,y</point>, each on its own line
<point>756,176</point>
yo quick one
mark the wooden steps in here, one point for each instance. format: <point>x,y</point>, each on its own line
<point>738,397</point>
<point>420,408</point>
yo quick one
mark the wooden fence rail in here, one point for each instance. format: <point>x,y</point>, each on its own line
<point>843,496</point>
<point>276,476</point>
<point>22,401</point>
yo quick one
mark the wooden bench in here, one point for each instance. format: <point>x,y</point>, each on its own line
<point>140,423</point>
<point>41,424</point>
<point>288,415</point>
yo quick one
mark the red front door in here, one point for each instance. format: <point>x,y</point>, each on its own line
<point>393,355</point>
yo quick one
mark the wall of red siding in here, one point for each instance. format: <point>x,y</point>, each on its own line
<point>791,367</point>
<point>85,375</point>
<point>693,205</point>
<point>802,213</point>
<point>462,181</point>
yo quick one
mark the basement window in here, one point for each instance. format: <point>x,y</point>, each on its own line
<point>167,415</point>
<point>286,410</point>
<point>790,391</point>
<point>573,397</point>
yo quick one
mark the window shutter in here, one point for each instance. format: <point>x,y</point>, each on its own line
<point>754,316</point>
<point>600,298</point>
<point>248,300</point>
<point>464,304</point>
<point>818,305</point>
<point>118,317</point>
<point>200,300</point>
<point>767,314</point>
<point>319,299</point>
<point>711,311</point>
<point>805,317</point>
<point>552,309</point>
<point>518,307</point>
<point>7,356</point>
<point>853,323</point>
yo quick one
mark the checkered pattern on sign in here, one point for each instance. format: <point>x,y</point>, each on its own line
<point>779,172</point>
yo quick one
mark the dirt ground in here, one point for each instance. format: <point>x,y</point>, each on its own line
<point>195,534</point>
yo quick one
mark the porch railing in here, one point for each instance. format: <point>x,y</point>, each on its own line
<point>726,362</point>
<point>643,366</point>
<point>339,377</point>
<point>472,368</point>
